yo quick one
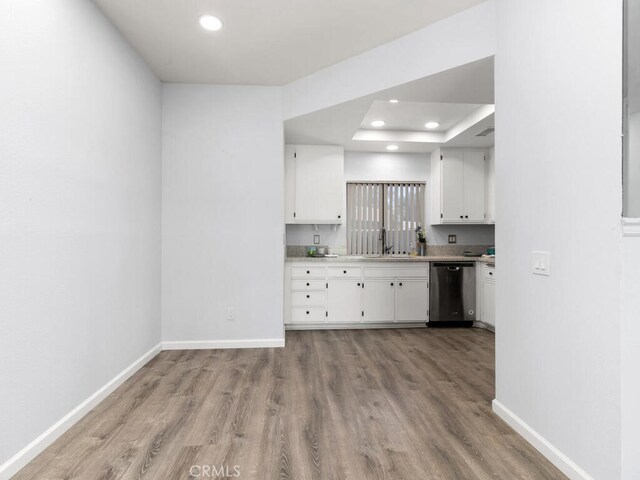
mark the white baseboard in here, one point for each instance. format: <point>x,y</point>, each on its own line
<point>351,326</point>
<point>214,344</point>
<point>28,453</point>
<point>486,326</point>
<point>555,456</point>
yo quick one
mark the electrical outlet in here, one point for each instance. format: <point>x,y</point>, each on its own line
<point>231,314</point>
<point>316,239</point>
<point>541,263</point>
<point>453,239</point>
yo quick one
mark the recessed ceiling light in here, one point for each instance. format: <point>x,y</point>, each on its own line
<point>393,100</point>
<point>377,123</point>
<point>392,148</point>
<point>432,125</point>
<point>211,23</point>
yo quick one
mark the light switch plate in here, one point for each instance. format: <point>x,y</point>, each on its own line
<point>541,263</point>
<point>316,239</point>
<point>453,239</point>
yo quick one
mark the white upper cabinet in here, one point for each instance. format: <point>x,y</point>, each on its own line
<point>289,183</point>
<point>452,182</point>
<point>491,186</point>
<point>315,186</point>
<point>458,179</point>
<point>474,186</point>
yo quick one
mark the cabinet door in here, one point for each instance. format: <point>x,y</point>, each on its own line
<point>344,301</point>
<point>491,187</point>
<point>489,302</point>
<point>378,300</point>
<point>289,183</point>
<point>412,301</point>
<point>319,184</point>
<point>479,291</point>
<point>474,186</point>
<point>452,171</point>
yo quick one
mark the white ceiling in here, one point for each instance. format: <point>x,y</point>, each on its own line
<point>265,42</point>
<point>407,115</point>
<point>452,96</point>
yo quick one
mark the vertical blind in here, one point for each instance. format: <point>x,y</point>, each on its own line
<point>396,207</point>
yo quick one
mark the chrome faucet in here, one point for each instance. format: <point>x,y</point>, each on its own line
<point>383,236</point>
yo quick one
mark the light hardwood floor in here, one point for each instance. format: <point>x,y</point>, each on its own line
<point>356,404</point>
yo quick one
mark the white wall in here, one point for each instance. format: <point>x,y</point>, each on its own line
<point>454,41</point>
<point>631,355</point>
<point>363,166</point>
<point>558,172</point>
<point>222,213</point>
<point>79,211</point>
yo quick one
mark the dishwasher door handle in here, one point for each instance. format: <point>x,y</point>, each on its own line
<point>453,269</point>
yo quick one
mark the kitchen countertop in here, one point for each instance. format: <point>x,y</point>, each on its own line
<point>391,259</point>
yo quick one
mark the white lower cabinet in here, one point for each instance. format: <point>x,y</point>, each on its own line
<point>378,301</point>
<point>344,301</point>
<point>488,314</point>
<point>308,315</point>
<point>373,293</point>
<point>309,299</point>
<point>412,300</point>
<point>307,285</point>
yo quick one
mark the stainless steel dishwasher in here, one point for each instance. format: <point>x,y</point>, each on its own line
<point>452,294</point>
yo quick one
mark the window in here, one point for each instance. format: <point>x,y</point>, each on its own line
<point>631,98</point>
<point>396,207</point>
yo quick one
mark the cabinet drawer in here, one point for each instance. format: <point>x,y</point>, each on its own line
<point>308,272</point>
<point>305,285</point>
<point>345,272</point>
<point>489,273</point>
<point>308,315</point>
<point>397,272</point>
<point>308,299</point>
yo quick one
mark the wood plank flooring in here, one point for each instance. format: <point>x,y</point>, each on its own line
<point>412,404</point>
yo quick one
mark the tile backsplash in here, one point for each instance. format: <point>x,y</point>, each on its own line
<point>301,250</point>
<point>453,250</point>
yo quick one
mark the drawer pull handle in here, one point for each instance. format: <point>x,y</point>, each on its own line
<point>308,272</point>
<point>358,284</point>
<point>308,296</point>
<point>392,284</point>
<point>400,284</point>
<point>345,272</point>
<point>307,284</point>
<point>307,312</point>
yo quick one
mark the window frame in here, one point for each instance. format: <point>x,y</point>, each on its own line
<point>383,208</point>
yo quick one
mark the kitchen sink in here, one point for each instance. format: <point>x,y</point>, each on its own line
<point>379,255</point>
